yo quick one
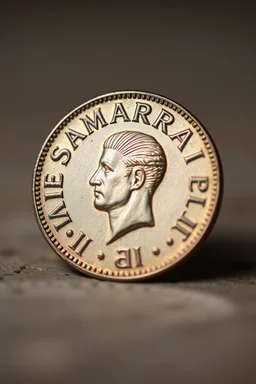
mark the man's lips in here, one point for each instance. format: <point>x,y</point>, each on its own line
<point>97,193</point>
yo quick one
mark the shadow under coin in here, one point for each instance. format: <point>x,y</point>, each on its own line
<point>216,259</point>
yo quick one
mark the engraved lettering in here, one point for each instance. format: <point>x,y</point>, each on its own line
<point>142,110</point>
<point>138,257</point>
<point>62,223</point>
<point>94,123</point>
<point>194,156</point>
<point>184,220</point>
<point>165,118</point>
<point>183,137</point>
<point>119,112</point>
<point>202,183</point>
<point>58,213</point>
<point>54,195</point>
<point>53,183</point>
<point>187,221</point>
<point>196,200</point>
<point>63,152</point>
<point>81,242</point>
<point>124,262</point>
<point>73,136</point>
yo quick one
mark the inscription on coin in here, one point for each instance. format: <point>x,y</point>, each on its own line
<point>163,120</point>
<point>82,241</point>
<point>185,230</point>
<point>126,260</point>
<point>59,210</point>
<point>202,183</point>
<point>127,185</point>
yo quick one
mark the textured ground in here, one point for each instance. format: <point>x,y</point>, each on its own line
<point>194,324</point>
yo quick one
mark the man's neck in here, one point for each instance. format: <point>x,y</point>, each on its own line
<point>135,214</point>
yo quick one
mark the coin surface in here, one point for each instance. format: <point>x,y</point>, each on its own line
<point>127,185</point>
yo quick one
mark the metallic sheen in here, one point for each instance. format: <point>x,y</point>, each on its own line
<point>127,185</point>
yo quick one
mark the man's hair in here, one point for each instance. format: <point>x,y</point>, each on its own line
<point>140,149</point>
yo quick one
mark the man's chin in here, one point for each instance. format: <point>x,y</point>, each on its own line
<point>99,206</point>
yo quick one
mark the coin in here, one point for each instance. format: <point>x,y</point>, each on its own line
<point>127,185</point>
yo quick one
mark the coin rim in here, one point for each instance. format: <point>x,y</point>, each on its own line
<point>148,272</point>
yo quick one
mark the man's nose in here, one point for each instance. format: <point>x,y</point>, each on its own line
<point>95,180</point>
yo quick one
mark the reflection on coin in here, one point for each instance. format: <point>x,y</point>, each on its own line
<point>127,185</point>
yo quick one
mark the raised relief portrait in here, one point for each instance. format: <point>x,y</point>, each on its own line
<point>131,167</point>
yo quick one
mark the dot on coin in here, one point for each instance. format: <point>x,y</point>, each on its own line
<point>156,251</point>
<point>130,170</point>
<point>69,233</point>
<point>169,241</point>
<point>101,256</point>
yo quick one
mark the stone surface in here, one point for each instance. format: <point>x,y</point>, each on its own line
<point>195,323</point>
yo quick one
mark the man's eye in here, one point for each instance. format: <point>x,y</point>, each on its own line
<point>106,169</point>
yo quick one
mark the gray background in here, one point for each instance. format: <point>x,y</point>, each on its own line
<point>55,56</point>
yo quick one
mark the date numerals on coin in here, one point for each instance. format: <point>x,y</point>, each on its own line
<point>131,257</point>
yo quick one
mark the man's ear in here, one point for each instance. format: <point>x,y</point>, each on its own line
<point>138,178</point>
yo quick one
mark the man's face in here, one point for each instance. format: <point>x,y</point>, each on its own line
<point>111,185</point>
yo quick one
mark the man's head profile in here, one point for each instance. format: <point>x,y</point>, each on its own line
<point>130,169</point>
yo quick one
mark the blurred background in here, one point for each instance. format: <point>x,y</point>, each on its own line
<point>196,323</point>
